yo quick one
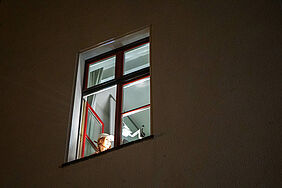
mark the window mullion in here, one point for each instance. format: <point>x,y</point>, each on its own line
<point>119,74</point>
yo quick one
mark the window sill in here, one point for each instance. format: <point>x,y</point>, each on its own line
<point>105,152</point>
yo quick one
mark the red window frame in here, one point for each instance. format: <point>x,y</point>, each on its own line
<point>119,80</point>
<point>85,136</point>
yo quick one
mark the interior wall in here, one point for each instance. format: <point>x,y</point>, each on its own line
<point>215,83</point>
<point>102,106</point>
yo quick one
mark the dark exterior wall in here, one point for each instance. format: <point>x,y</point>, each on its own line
<point>216,85</point>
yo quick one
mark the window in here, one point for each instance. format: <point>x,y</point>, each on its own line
<point>114,99</point>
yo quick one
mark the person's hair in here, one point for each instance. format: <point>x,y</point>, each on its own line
<point>100,141</point>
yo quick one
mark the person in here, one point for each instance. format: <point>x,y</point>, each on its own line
<point>104,142</point>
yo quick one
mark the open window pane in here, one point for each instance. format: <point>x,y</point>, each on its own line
<point>101,71</point>
<point>136,58</point>
<point>135,125</point>
<point>136,94</point>
<point>94,126</point>
<point>99,117</point>
<point>103,104</point>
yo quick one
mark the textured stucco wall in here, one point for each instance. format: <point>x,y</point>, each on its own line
<point>216,78</point>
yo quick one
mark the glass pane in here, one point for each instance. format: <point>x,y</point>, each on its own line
<point>103,105</point>
<point>136,125</point>
<point>137,58</point>
<point>136,94</point>
<point>89,150</point>
<point>94,126</point>
<point>101,71</point>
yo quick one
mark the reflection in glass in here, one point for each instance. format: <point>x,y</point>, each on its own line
<point>136,125</point>
<point>101,71</point>
<point>89,150</point>
<point>136,94</point>
<point>103,104</point>
<point>136,59</point>
<point>94,126</point>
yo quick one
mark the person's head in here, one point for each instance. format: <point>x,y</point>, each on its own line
<point>104,141</point>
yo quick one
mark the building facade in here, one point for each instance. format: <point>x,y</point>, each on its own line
<point>215,85</point>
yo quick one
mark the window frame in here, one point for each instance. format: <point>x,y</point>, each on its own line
<point>119,80</point>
